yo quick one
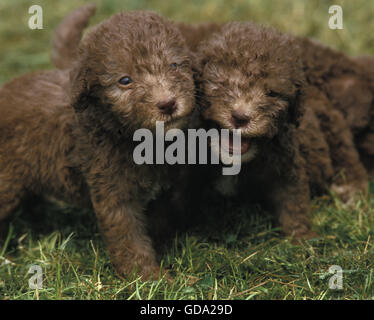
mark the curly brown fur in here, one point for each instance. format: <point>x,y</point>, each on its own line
<point>71,137</point>
<point>252,79</point>
<point>334,149</point>
<point>316,152</point>
<point>257,74</point>
<point>350,176</point>
<point>365,140</point>
<point>348,83</point>
<point>342,80</point>
<point>343,88</point>
<point>196,33</point>
<point>68,34</point>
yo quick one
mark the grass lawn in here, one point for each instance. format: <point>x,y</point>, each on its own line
<point>241,256</point>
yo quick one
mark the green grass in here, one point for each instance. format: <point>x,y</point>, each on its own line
<point>242,256</point>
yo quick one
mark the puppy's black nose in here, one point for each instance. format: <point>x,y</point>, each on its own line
<point>239,119</point>
<point>167,106</point>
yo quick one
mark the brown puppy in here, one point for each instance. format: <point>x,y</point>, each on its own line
<point>322,67</point>
<point>347,82</point>
<point>72,137</point>
<point>342,79</point>
<point>252,79</point>
<point>348,85</point>
<point>350,178</point>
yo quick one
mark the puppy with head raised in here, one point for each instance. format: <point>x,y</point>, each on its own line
<point>323,67</point>
<point>72,136</point>
<point>252,79</point>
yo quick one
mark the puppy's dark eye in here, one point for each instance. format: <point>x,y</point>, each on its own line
<point>125,81</point>
<point>174,65</point>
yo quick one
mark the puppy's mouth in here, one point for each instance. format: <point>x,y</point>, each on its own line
<point>227,142</point>
<point>228,145</point>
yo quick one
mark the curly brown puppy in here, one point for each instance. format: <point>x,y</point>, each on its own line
<point>252,79</point>
<point>72,137</point>
<point>341,78</point>
<point>350,175</point>
<point>348,83</point>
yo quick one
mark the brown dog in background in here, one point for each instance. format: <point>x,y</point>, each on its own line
<point>71,137</point>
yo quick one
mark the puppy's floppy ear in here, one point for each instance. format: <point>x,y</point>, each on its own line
<point>297,104</point>
<point>196,65</point>
<point>80,80</point>
<point>198,69</point>
<point>296,107</point>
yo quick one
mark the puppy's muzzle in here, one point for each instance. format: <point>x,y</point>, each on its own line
<point>168,106</point>
<point>239,119</point>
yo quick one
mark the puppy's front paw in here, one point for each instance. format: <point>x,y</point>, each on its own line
<point>300,232</point>
<point>156,273</point>
<point>306,235</point>
<point>143,266</point>
<point>349,193</point>
<point>296,226</point>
